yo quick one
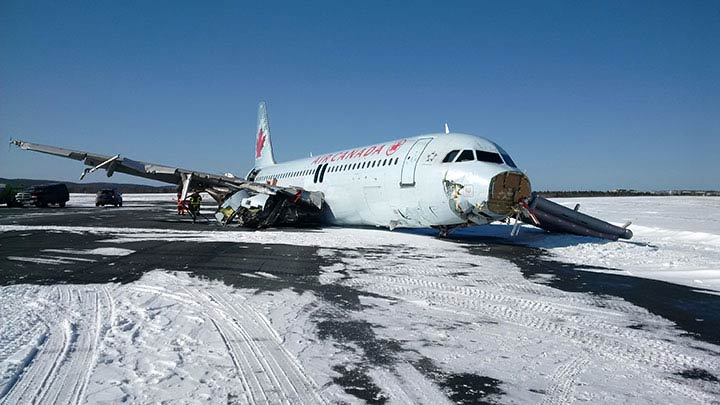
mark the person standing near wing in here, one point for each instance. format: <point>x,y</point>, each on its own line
<point>195,201</point>
<point>180,204</point>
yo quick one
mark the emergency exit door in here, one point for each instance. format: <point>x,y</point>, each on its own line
<point>407,174</point>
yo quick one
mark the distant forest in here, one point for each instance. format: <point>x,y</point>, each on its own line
<point>627,193</point>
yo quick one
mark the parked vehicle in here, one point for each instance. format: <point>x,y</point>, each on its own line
<point>108,197</point>
<point>43,195</point>
<point>7,195</point>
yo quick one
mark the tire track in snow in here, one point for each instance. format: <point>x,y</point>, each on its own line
<point>63,365</point>
<point>601,338</point>
<point>150,289</point>
<point>474,298</point>
<point>256,349</point>
<point>238,367</point>
<point>303,388</point>
<point>41,369</point>
<point>21,326</point>
<point>410,267</point>
<point>97,302</point>
<point>562,388</point>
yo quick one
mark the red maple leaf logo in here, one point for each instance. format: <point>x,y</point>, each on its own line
<point>260,144</point>
<point>392,149</point>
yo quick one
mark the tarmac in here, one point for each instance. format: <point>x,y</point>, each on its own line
<point>299,268</point>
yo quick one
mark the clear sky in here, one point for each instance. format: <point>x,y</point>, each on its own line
<point>584,95</point>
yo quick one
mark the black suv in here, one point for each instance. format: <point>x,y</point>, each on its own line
<point>41,196</point>
<point>108,197</point>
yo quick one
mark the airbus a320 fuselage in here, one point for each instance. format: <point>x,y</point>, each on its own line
<point>439,180</point>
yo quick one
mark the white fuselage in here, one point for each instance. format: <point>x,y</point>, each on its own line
<point>400,183</point>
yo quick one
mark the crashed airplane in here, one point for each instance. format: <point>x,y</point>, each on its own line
<point>445,181</point>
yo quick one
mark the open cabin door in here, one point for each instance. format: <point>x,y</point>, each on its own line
<point>407,175</point>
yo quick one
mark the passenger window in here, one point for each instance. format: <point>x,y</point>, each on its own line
<point>465,156</point>
<point>491,157</point>
<point>448,158</point>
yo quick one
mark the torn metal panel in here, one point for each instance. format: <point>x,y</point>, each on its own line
<point>263,210</point>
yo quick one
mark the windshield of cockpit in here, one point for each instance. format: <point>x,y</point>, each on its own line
<point>479,155</point>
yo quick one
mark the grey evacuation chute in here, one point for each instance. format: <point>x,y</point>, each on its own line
<point>554,217</point>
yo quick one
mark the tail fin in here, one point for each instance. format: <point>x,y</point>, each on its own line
<point>263,146</point>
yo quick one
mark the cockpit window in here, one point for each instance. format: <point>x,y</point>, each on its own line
<point>466,155</point>
<point>506,157</point>
<point>450,156</point>
<point>485,156</point>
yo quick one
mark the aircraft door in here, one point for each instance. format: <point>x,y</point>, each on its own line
<point>407,175</point>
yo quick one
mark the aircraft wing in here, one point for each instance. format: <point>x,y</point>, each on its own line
<point>117,163</point>
<point>218,186</point>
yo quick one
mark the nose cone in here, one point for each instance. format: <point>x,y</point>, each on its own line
<point>506,191</point>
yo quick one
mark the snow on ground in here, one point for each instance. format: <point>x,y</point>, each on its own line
<point>676,239</point>
<point>396,317</point>
<point>427,309</point>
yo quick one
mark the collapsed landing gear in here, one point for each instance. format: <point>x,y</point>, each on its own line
<point>444,230</point>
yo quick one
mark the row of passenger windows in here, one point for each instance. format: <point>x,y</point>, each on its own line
<point>481,155</point>
<point>364,165</point>
<point>332,169</point>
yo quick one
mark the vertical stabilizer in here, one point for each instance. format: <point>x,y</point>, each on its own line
<point>263,146</point>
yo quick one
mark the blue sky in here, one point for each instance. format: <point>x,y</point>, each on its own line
<point>584,95</point>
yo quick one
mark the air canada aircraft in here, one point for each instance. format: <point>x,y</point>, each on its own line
<point>440,180</point>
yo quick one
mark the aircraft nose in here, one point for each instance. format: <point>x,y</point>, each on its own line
<point>506,191</point>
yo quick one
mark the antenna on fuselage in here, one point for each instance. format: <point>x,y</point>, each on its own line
<point>447,128</point>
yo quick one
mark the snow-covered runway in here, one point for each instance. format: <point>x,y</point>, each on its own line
<point>139,305</point>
